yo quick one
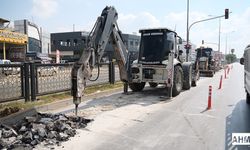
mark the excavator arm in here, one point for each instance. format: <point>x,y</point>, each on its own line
<point>104,30</point>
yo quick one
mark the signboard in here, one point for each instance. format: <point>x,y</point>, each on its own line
<point>13,37</point>
<point>188,46</point>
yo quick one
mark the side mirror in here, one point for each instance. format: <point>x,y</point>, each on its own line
<point>180,41</point>
<point>180,52</point>
<point>242,61</point>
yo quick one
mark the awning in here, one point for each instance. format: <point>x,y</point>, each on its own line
<point>13,37</point>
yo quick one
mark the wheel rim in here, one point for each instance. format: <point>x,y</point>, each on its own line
<point>178,81</point>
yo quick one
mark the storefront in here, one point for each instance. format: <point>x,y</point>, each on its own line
<point>13,45</point>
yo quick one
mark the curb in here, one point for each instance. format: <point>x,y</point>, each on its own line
<point>18,116</point>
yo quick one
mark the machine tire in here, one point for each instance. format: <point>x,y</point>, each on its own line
<point>136,87</point>
<point>194,82</point>
<point>211,74</point>
<point>248,98</point>
<point>125,87</point>
<point>187,77</point>
<point>153,84</point>
<point>178,81</point>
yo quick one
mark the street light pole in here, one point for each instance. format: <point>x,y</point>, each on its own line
<point>187,50</point>
<point>219,34</point>
<point>226,46</point>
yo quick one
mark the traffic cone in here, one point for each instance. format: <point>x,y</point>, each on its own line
<point>209,102</point>
<point>228,69</point>
<point>220,85</point>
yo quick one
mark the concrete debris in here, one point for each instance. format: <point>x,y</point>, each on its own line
<point>45,129</point>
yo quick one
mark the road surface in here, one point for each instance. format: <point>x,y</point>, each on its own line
<point>148,120</point>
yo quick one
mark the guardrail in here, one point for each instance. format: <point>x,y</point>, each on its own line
<point>28,80</point>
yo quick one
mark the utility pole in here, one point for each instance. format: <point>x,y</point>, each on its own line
<point>219,34</point>
<point>187,48</point>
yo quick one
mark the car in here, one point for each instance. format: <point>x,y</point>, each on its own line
<point>47,71</point>
<point>246,62</point>
<point>6,70</point>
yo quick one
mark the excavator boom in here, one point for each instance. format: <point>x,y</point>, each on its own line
<point>104,30</point>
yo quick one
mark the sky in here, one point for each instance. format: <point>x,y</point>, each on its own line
<point>60,15</point>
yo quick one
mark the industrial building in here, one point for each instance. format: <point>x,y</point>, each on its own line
<point>38,46</point>
<point>70,44</point>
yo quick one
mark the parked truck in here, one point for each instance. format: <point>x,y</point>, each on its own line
<point>158,61</point>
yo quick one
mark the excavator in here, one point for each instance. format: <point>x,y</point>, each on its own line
<point>158,61</point>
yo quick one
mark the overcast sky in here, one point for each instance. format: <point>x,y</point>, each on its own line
<point>60,15</point>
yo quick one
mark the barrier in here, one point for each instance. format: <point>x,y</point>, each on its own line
<point>209,103</point>
<point>220,85</point>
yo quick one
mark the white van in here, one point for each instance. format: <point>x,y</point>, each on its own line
<point>245,60</point>
<point>5,61</point>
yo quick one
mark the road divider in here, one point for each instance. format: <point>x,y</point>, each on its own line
<point>228,69</point>
<point>220,84</point>
<point>209,102</point>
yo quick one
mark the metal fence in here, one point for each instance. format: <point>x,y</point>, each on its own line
<point>11,82</point>
<point>28,80</point>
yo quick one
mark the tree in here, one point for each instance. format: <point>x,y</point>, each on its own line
<point>231,58</point>
<point>232,51</point>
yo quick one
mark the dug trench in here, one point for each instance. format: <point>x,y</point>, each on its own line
<point>48,130</point>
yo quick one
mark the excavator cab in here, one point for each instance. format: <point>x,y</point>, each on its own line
<point>205,61</point>
<point>155,46</point>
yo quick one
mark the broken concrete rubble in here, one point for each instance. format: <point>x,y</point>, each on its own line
<point>46,129</point>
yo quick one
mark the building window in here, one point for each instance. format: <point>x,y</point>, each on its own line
<point>68,43</point>
<point>75,42</point>
<point>136,43</point>
<point>84,41</point>
<point>63,43</point>
<point>131,43</point>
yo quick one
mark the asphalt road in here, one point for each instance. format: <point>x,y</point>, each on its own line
<point>148,120</point>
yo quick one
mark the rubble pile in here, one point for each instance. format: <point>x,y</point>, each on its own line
<point>47,129</point>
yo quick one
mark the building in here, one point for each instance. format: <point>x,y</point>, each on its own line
<point>70,44</point>
<point>13,45</point>
<point>38,46</point>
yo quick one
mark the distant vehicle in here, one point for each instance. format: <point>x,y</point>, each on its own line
<point>5,61</point>
<point>6,70</point>
<point>205,61</point>
<point>47,71</point>
<point>245,60</point>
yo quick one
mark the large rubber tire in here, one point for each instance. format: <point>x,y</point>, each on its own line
<point>125,87</point>
<point>178,81</point>
<point>187,77</point>
<point>153,84</point>
<point>248,98</point>
<point>136,87</point>
<point>211,74</point>
<point>194,82</point>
